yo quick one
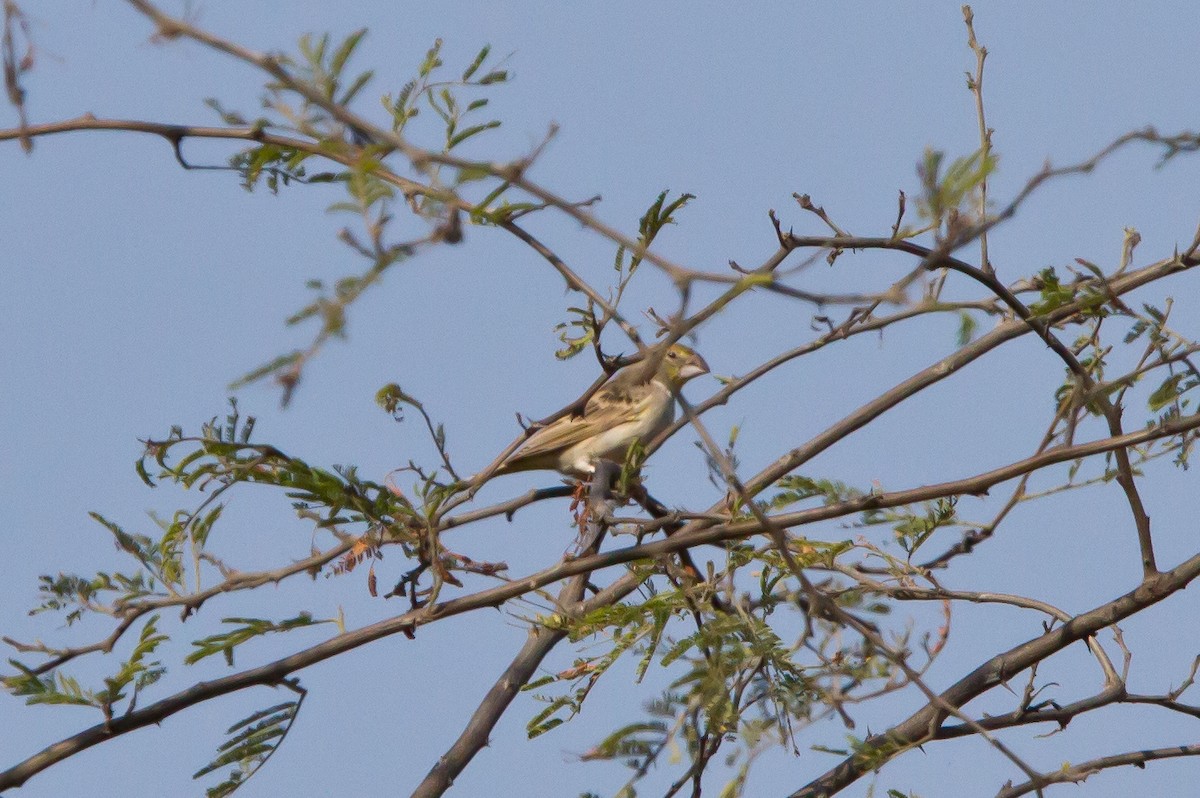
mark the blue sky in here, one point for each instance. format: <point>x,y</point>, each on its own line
<point>137,291</point>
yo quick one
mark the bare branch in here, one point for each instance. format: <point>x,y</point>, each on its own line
<point>975,84</point>
<point>1076,774</point>
<point>924,723</point>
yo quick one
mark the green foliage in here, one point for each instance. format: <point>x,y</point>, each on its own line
<point>944,193</point>
<point>1054,295</point>
<point>745,669</point>
<point>966,328</point>
<point>1150,324</point>
<point>660,214</point>
<point>578,333</point>
<point>636,741</point>
<point>56,687</point>
<point>281,166</point>
<point>223,456</point>
<point>276,365</point>
<point>173,562</point>
<point>1169,391</point>
<point>631,468</point>
<point>323,68</point>
<point>442,96</point>
<point>913,529</point>
<point>793,489</point>
<point>431,486</point>
<point>627,626</point>
<point>390,397</point>
<point>78,594</point>
<point>136,670</point>
<point>247,629</point>
<point>161,558</point>
<point>252,741</point>
<point>583,327</point>
<point>736,680</point>
<point>369,183</point>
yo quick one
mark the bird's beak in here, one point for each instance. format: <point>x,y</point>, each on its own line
<point>694,367</point>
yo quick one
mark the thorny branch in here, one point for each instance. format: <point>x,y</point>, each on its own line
<point>719,524</point>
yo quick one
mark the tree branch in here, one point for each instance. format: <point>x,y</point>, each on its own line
<point>1076,774</point>
<point>923,725</point>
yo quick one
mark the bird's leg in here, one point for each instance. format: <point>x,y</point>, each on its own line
<point>592,501</point>
<point>579,502</point>
<point>600,500</point>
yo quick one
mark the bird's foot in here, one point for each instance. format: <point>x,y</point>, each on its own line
<point>579,503</point>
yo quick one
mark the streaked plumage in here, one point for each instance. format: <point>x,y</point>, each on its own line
<point>633,405</point>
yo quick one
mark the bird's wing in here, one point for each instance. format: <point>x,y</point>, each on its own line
<point>615,403</point>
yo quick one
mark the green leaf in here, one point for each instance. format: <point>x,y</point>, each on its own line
<point>53,688</point>
<point>345,50</point>
<point>1135,332</point>
<point>348,95</point>
<point>463,135</point>
<point>1054,294</point>
<point>203,526</point>
<point>1166,393</point>
<point>143,474</point>
<point>272,367</point>
<point>966,328</point>
<point>796,488</point>
<point>249,628</point>
<point>228,117</point>
<point>656,217</point>
<point>251,743</point>
<point>946,192</point>
<point>136,670</point>
<point>432,60</point>
<point>576,334</point>
<point>478,62</point>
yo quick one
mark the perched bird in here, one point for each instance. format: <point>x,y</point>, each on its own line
<point>634,405</point>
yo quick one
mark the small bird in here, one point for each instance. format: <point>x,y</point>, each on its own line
<point>634,405</point>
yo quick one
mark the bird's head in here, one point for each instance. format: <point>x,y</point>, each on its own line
<point>679,364</point>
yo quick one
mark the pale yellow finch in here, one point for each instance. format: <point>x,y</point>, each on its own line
<point>634,405</point>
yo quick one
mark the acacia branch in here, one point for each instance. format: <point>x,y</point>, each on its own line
<point>1002,333</point>
<point>973,537</point>
<point>514,173</point>
<point>1062,716</point>
<point>129,612</point>
<point>708,528</point>
<point>1076,774</point>
<point>540,642</point>
<point>272,672</point>
<point>1111,677</point>
<point>347,154</point>
<point>975,84</point>
<point>707,532</point>
<point>1112,414</point>
<point>923,725</point>
<point>574,281</point>
<point>855,324</point>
